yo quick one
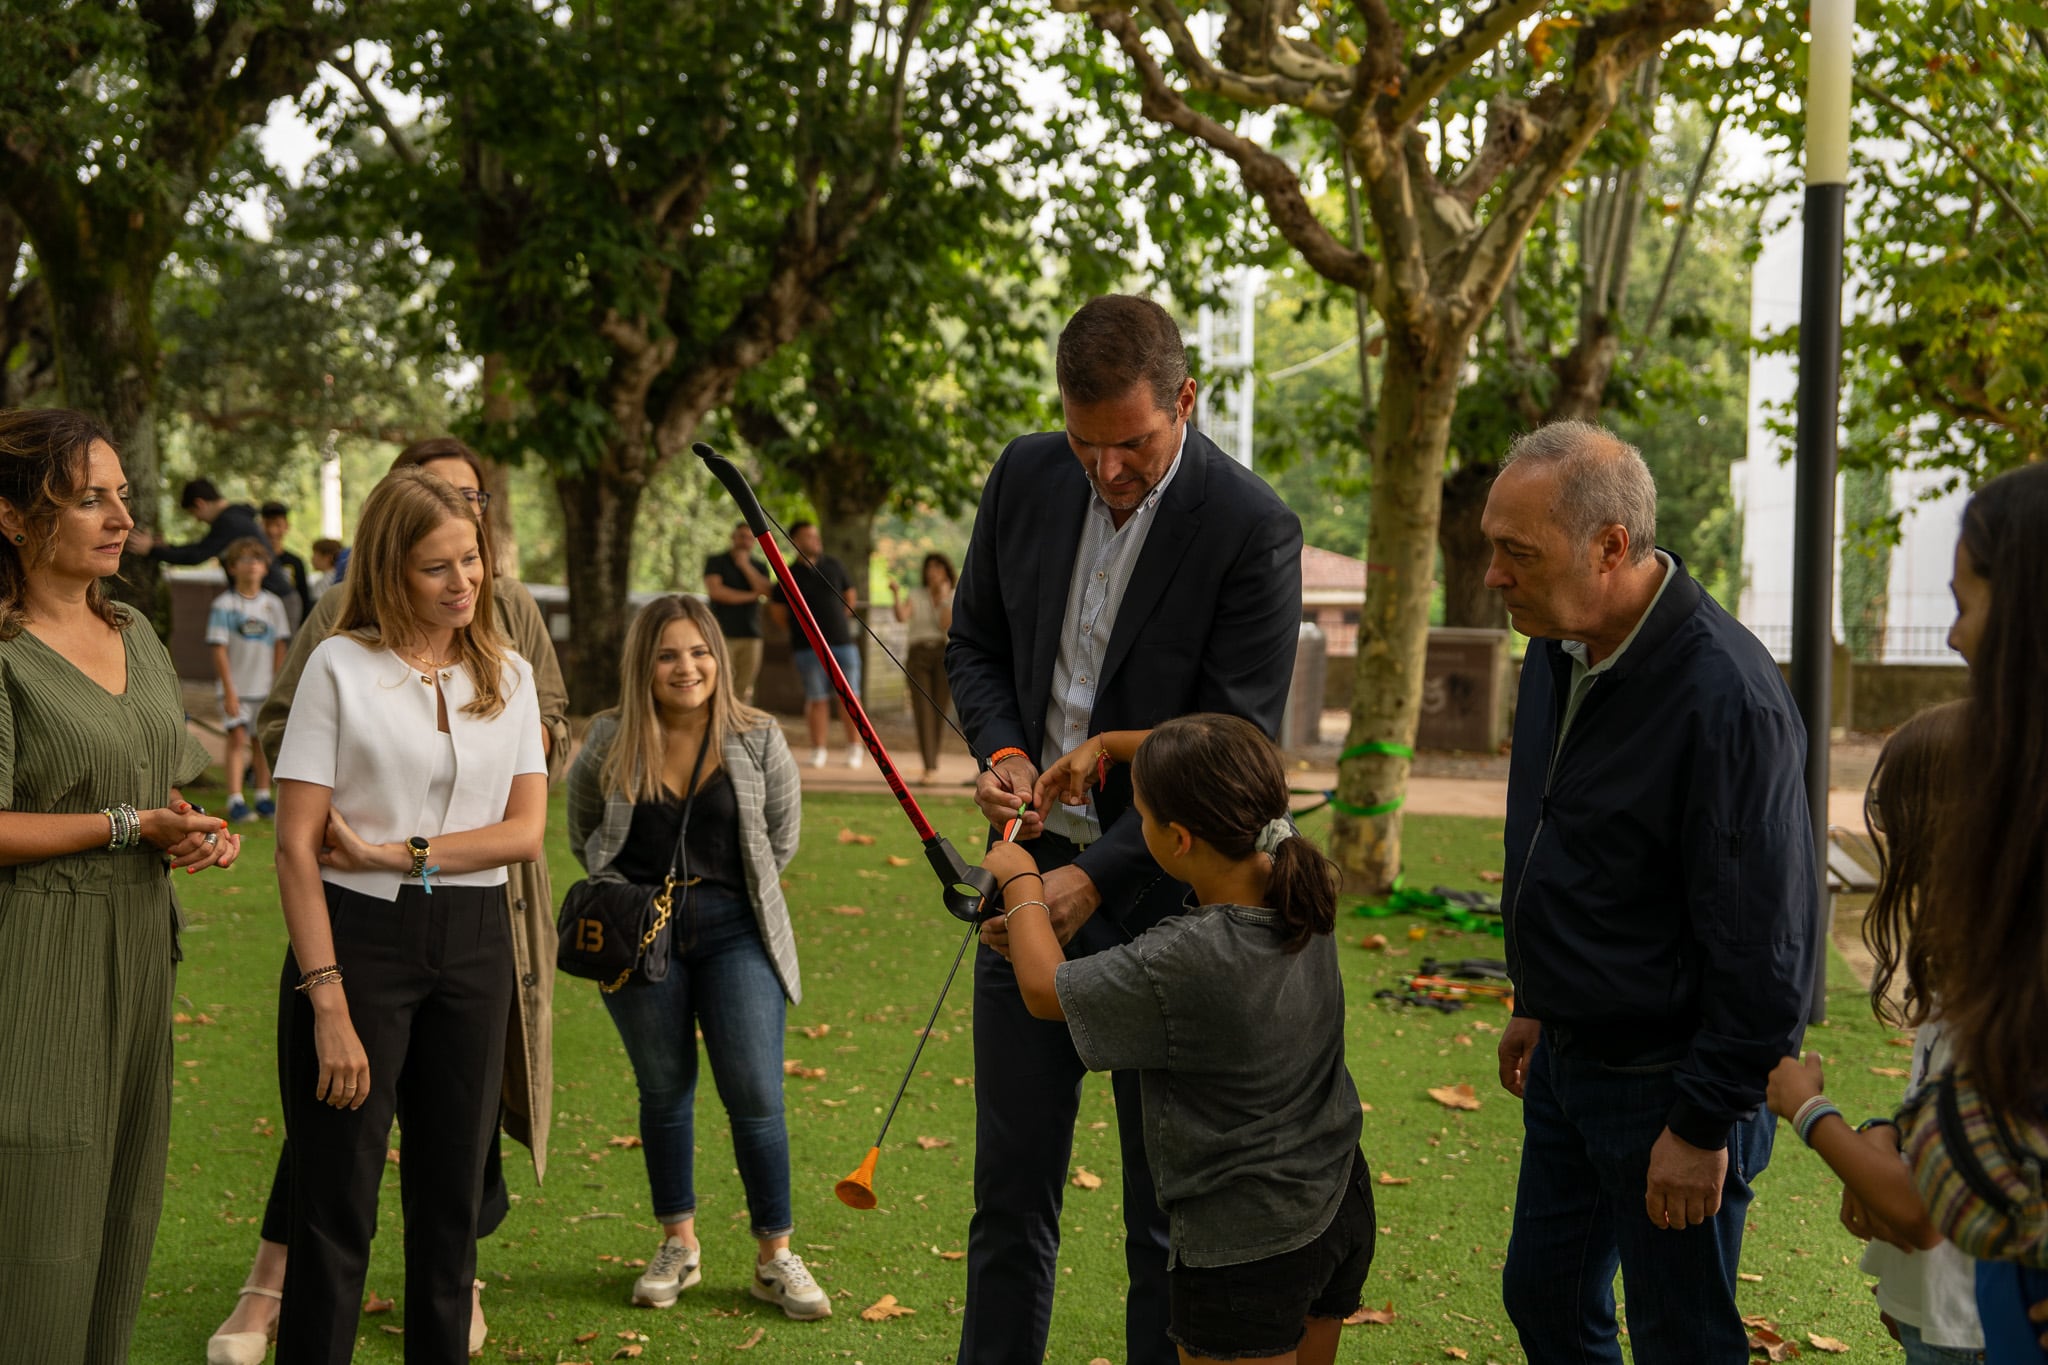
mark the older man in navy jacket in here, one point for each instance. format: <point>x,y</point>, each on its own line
<point>1122,571</point>
<point>1660,913</point>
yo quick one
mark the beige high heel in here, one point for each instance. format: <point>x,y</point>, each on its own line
<point>478,1329</point>
<point>244,1348</point>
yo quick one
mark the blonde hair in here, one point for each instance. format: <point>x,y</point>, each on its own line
<point>639,749</point>
<point>406,507</point>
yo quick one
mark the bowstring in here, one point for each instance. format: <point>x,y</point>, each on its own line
<point>901,667</point>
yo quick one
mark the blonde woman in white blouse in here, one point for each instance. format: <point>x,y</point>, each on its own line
<point>410,775</point>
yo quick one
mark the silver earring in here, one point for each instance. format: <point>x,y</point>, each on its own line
<point>20,540</point>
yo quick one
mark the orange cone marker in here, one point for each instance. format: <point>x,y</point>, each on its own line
<point>857,1191</point>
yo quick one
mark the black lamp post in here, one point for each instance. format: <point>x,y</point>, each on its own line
<point>1820,381</point>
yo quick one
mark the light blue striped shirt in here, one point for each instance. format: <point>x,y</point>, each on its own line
<point>1103,563</point>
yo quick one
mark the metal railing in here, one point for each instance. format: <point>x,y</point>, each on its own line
<point>1874,644</point>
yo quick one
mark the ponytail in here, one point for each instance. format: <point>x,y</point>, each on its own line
<point>1303,889</point>
<point>1221,779</point>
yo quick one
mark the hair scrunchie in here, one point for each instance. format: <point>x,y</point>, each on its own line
<point>1279,829</point>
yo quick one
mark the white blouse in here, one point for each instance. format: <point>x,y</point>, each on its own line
<point>364,726</point>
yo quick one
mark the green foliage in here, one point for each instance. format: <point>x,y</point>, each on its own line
<point>1946,337</point>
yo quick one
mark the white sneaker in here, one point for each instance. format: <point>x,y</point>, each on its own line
<point>854,754</point>
<point>817,758</point>
<point>673,1269</point>
<point>785,1281</point>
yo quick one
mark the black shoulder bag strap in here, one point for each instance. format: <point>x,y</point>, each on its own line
<point>679,858</point>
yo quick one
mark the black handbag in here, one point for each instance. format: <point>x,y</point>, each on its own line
<point>607,930</point>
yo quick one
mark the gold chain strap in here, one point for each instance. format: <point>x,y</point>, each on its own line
<point>663,905</point>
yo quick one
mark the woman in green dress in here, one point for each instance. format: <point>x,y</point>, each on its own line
<point>93,747</point>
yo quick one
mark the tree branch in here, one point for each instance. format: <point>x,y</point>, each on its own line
<point>1438,68</point>
<point>1265,174</point>
<point>1608,49</point>
<point>1877,94</point>
<point>401,147</point>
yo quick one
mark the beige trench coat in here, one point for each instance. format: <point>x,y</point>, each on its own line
<point>530,1030</point>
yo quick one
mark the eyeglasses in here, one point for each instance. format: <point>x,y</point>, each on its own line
<point>476,498</point>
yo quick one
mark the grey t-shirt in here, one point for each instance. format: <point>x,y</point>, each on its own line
<point>1250,1117</point>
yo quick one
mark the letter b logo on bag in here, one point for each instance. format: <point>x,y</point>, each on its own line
<point>589,936</point>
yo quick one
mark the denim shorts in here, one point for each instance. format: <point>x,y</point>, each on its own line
<point>817,686</point>
<point>1261,1308</point>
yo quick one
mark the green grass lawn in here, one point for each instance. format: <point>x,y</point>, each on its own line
<point>560,1268</point>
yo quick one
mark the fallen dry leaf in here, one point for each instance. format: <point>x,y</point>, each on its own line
<point>1100,1360</point>
<point>963,1080</point>
<point>1828,1344</point>
<point>848,910</point>
<point>1371,1317</point>
<point>393,1328</point>
<point>1895,1072</point>
<point>932,1144</point>
<point>1900,1040</point>
<point>1417,933</point>
<point>373,1304</point>
<point>1460,1096</point>
<point>1462,1039</point>
<point>896,861</point>
<point>1748,1278</point>
<point>817,1031</point>
<point>586,1338</point>
<point>629,1352</point>
<point>1491,878</point>
<point>753,1339</point>
<point>1373,943</point>
<point>624,1140</point>
<point>1772,1346</point>
<point>391,1155</point>
<point>1085,1179</point>
<point>847,836</point>
<point>884,1308</point>
<point>833,1104</point>
<point>1456,1353</point>
<point>795,1068</point>
<point>952,1255</point>
<point>1386,1179</point>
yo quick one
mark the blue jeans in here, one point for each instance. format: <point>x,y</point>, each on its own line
<point>1588,1130</point>
<point>817,686</point>
<point>1918,1352</point>
<point>721,981</point>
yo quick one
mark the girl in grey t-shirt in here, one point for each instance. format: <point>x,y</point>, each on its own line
<point>1233,1014</point>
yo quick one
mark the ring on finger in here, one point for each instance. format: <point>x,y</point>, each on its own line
<point>213,838</point>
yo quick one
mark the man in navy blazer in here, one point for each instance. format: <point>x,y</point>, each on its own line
<point>1121,572</point>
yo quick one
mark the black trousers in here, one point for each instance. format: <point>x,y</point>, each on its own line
<point>429,981</point>
<point>1027,1094</point>
<point>277,1210</point>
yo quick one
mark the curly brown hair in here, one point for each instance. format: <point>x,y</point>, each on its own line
<point>45,456</point>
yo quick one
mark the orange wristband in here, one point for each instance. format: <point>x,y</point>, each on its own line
<point>1001,754</point>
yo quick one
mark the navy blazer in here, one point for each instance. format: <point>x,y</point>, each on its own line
<point>1208,623</point>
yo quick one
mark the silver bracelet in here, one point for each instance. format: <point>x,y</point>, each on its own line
<point>124,827</point>
<point>1021,904</point>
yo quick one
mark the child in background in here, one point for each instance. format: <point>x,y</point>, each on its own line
<point>1926,1288</point>
<point>1234,1015</point>
<point>247,628</point>
<point>326,554</point>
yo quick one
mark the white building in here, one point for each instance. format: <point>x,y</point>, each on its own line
<point>1918,608</point>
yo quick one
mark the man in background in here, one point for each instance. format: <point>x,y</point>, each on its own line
<point>737,584</point>
<point>226,522</point>
<point>277,524</point>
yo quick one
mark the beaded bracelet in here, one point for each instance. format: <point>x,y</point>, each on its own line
<point>1812,1120</point>
<point>124,828</point>
<point>319,976</point>
<point>1001,754</point>
<point>1799,1114</point>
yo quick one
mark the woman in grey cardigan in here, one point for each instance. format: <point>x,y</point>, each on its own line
<point>734,967</point>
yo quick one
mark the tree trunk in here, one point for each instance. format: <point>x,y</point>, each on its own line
<point>598,514</point>
<point>1417,398</point>
<point>1467,599</point>
<point>841,484</point>
<point>107,364</point>
<point>498,412</point>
